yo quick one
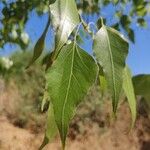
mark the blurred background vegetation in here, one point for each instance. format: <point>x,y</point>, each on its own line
<point>27,87</point>
<point>21,93</point>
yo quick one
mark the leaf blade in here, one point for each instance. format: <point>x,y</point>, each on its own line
<point>39,46</point>
<point>111,51</point>
<point>65,19</point>
<point>69,79</point>
<point>142,86</point>
<point>51,129</point>
<point>129,91</point>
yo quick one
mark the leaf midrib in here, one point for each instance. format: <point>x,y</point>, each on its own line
<point>67,93</point>
<point>112,66</point>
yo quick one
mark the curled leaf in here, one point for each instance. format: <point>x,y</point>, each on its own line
<point>39,46</point>
<point>129,91</point>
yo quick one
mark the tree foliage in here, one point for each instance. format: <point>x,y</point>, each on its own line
<point>126,13</point>
<point>71,71</point>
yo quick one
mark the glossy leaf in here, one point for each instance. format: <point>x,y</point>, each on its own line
<point>51,129</point>
<point>69,79</point>
<point>111,50</point>
<point>65,19</point>
<point>39,46</point>
<point>129,92</point>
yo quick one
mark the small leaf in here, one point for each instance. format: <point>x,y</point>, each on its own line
<point>131,34</point>
<point>51,1</point>
<point>39,46</point>
<point>129,91</point>
<point>102,79</point>
<point>118,14</point>
<point>115,2</point>
<point>142,85</point>
<point>51,129</point>
<point>48,60</point>
<point>125,21</point>
<point>111,50</point>
<point>116,26</point>
<point>69,79</point>
<point>142,22</point>
<point>142,11</point>
<point>103,84</point>
<point>45,100</point>
<point>65,19</point>
<point>99,22</point>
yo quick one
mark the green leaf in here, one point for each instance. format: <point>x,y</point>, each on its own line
<point>45,99</point>
<point>141,11</point>
<point>65,19</point>
<point>131,34</point>
<point>48,60</point>
<point>116,26</point>
<point>111,50</point>
<point>51,129</point>
<point>115,2</point>
<point>99,22</point>
<point>51,1</point>
<point>142,86</point>
<point>142,22</point>
<point>39,46</point>
<point>125,21</point>
<point>103,84</point>
<point>69,79</point>
<point>129,91</point>
<point>102,80</point>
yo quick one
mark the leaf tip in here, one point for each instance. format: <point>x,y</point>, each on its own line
<point>114,115</point>
<point>30,63</point>
<point>27,67</point>
<point>44,143</point>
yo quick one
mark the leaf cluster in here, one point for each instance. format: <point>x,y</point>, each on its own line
<point>71,71</point>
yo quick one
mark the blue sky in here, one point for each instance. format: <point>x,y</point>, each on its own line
<point>139,53</point>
